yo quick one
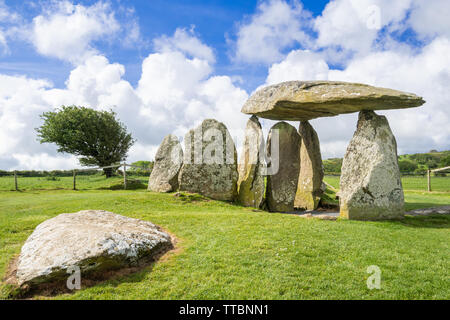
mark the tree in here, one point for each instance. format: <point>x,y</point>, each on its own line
<point>445,162</point>
<point>407,166</point>
<point>145,167</point>
<point>97,136</point>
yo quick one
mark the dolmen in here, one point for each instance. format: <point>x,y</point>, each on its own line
<point>370,185</point>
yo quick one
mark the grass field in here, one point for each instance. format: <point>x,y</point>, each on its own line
<point>416,183</point>
<point>230,252</point>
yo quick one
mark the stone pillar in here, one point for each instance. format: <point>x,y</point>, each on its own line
<point>282,184</point>
<point>210,162</point>
<point>309,189</point>
<point>371,188</point>
<point>168,161</point>
<point>251,180</point>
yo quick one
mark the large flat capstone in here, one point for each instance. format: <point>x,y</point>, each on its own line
<point>306,100</point>
<point>92,240</point>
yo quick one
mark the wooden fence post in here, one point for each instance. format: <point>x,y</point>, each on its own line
<point>429,180</point>
<point>15,180</point>
<point>124,176</point>
<point>74,179</point>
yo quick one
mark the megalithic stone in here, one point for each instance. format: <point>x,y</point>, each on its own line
<point>210,162</point>
<point>310,178</point>
<point>370,186</point>
<point>168,161</point>
<point>251,180</point>
<point>282,185</point>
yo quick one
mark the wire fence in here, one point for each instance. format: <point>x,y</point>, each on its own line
<point>135,177</point>
<point>80,179</point>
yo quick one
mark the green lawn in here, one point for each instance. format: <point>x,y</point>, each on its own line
<point>418,183</point>
<point>82,182</point>
<point>231,252</point>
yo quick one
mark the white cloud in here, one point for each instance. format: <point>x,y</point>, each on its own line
<point>186,42</point>
<point>299,65</point>
<point>66,31</point>
<point>430,18</point>
<point>174,94</point>
<point>275,26</point>
<point>355,24</point>
<point>426,73</point>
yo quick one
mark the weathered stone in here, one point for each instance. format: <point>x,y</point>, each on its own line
<point>210,162</point>
<point>94,241</point>
<point>251,182</point>
<point>282,186</point>
<point>168,161</point>
<point>371,188</point>
<point>305,100</point>
<point>309,189</point>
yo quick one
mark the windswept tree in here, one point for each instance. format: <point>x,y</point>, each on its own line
<point>97,137</point>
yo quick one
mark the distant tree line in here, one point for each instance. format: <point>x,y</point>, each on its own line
<point>413,164</point>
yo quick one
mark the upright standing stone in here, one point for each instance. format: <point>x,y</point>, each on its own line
<point>168,161</point>
<point>251,181</point>
<point>309,188</point>
<point>371,188</point>
<point>282,186</point>
<point>210,162</point>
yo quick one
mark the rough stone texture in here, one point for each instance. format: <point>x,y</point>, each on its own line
<point>282,186</point>
<point>251,182</point>
<point>371,188</point>
<point>309,189</point>
<point>92,240</point>
<point>168,161</point>
<point>444,210</point>
<point>305,100</point>
<point>210,162</point>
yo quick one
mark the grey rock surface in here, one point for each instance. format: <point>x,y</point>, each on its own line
<point>370,185</point>
<point>210,162</point>
<point>282,186</point>
<point>168,161</point>
<point>306,100</point>
<point>92,240</point>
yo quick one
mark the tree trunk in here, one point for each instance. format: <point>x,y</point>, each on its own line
<point>108,172</point>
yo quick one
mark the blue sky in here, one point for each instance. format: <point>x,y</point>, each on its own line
<point>166,65</point>
<point>214,21</point>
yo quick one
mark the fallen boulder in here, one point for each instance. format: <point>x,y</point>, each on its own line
<point>94,241</point>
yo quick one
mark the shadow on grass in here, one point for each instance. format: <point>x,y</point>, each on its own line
<point>436,221</point>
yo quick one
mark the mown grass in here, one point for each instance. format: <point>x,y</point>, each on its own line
<point>417,183</point>
<point>231,252</point>
<point>90,182</point>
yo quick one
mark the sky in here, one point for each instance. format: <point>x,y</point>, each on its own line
<point>164,66</point>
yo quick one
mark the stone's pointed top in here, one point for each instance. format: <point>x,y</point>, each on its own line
<point>305,100</point>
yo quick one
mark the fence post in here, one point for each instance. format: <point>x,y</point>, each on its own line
<point>429,180</point>
<point>124,176</point>
<point>74,179</point>
<point>15,180</point>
